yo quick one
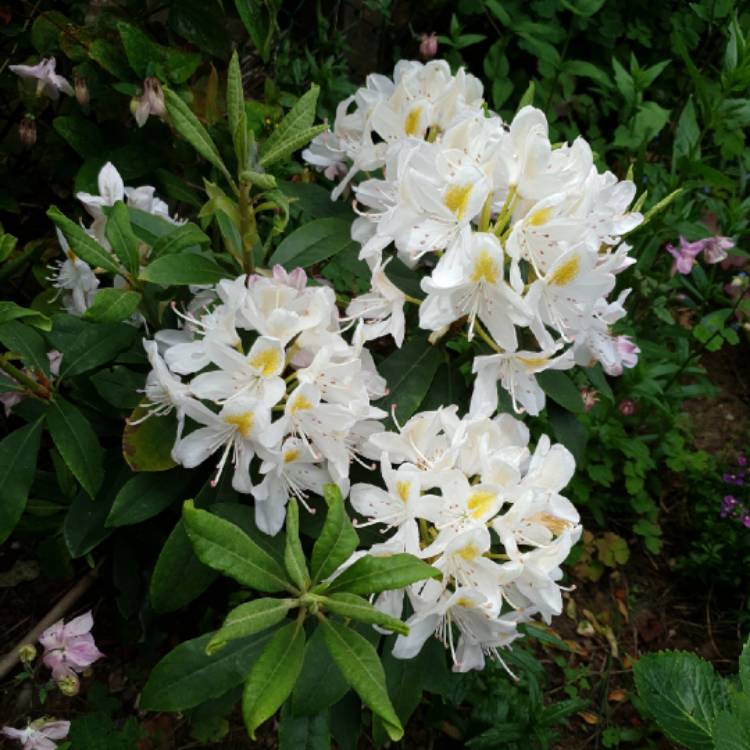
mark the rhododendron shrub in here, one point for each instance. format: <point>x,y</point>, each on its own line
<point>359,463</point>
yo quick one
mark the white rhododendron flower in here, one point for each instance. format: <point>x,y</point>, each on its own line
<point>516,236</point>
<point>261,378</point>
<point>460,485</point>
<point>73,276</point>
<point>48,82</point>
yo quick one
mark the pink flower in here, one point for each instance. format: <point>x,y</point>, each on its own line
<point>39,734</point>
<point>685,257</point>
<point>49,83</point>
<point>151,101</point>
<point>428,46</point>
<point>715,248</point>
<point>590,397</point>
<point>69,648</point>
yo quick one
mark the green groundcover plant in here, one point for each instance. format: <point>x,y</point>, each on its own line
<point>353,384</point>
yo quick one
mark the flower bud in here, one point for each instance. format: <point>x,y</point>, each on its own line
<point>626,407</point>
<point>82,91</point>
<point>69,685</point>
<point>27,131</point>
<point>27,653</point>
<point>590,398</point>
<point>428,46</point>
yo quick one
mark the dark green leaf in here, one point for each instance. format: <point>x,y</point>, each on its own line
<point>122,238</point>
<point>20,339</point>
<point>182,269</point>
<point>112,305</point>
<point>561,389</point>
<point>77,443</point>
<point>294,557</point>
<point>18,452</point>
<point>146,495</point>
<point>313,242</point>
<point>81,244</point>
<point>181,238</point>
<point>147,443</point>
<point>304,732</point>
<point>357,608</point>
<point>187,676</point>
<point>249,618</point>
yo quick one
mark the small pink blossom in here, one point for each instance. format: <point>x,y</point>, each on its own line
<point>49,83</point>
<point>39,735</point>
<point>296,279</point>
<point>428,46</point>
<point>715,248</point>
<point>69,648</point>
<point>151,102</point>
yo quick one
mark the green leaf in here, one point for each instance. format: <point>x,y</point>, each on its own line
<point>81,244</point>
<point>294,557</point>
<point>337,540</point>
<point>409,372</point>
<point>81,134</point>
<point>731,729</point>
<point>112,305</point>
<point>20,339</point>
<point>371,575</point>
<point>260,23</point>
<point>11,311</point>
<point>357,608</point>
<point>528,96</point>
<point>236,110</point>
<point>360,665</point>
<point>314,242</point>
<point>122,238</point>
<point>190,128</point>
<point>273,676</point>
<point>561,389</point>
<point>687,134</point>
<point>7,245</point>
<point>18,452</point>
<point>304,732</point>
<point>147,443</point>
<point>187,676</point>
<point>145,495</point>
<point>139,49</point>
<point>225,547</point>
<point>179,576</point>
<point>249,618</point>
<point>77,443</point>
<point>182,269</point>
<point>84,527</point>
<point>181,238</point>
<point>119,386</point>
<point>320,683</point>
<point>86,345</point>
<point>683,693</point>
<point>745,667</point>
<point>148,227</point>
<point>294,131</point>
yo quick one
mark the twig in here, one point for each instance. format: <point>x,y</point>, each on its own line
<point>59,610</point>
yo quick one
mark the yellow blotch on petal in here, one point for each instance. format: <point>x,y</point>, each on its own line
<point>402,489</point>
<point>268,361</point>
<point>411,124</point>
<point>480,502</point>
<point>300,403</point>
<point>456,199</point>
<point>485,269</point>
<point>553,523</point>
<point>291,455</point>
<point>540,217</point>
<point>243,422</point>
<point>462,601</point>
<point>533,361</point>
<point>567,272</point>
<point>469,552</point>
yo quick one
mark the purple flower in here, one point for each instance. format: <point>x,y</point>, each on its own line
<point>49,83</point>
<point>741,460</point>
<point>69,648</point>
<point>39,735</point>
<point>685,257</point>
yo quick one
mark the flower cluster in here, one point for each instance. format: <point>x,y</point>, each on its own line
<point>255,348</point>
<point>74,277</point>
<point>733,507</point>
<point>517,235</point>
<point>467,495</point>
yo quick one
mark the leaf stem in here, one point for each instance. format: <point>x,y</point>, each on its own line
<point>479,328</point>
<point>20,377</point>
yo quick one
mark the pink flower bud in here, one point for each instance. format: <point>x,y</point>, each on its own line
<point>428,46</point>
<point>626,407</point>
<point>82,91</point>
<point>27,131</point>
